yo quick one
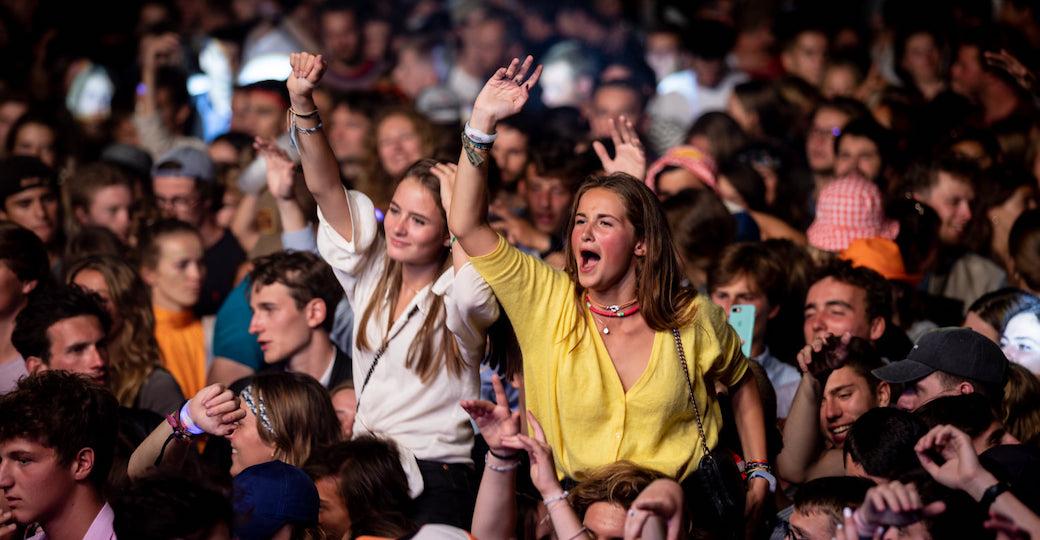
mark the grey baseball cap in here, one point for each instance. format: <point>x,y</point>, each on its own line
<point>185,161</point>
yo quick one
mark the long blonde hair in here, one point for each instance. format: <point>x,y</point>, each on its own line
<point>133,352</point>
<point>424,356</point>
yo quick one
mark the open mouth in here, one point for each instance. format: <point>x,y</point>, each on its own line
<point>587,260</point>
<point>840,432</point>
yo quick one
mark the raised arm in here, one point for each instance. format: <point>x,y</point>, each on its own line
<point>214,410</point>
<point>320,168</point>
<point>494,515</point>
<point>502,96</point>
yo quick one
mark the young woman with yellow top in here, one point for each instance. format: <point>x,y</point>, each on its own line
<point>601,370</point>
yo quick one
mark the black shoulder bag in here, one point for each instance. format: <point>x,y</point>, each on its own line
<point>719,487</point>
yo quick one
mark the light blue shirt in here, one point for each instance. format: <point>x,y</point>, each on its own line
<point>784,377</point>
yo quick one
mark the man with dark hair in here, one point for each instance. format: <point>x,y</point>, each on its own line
<point>837,388</point>
<point>991,88</point>
<point>880,445</point>
<point>845,299</point>
<point>343,43</point>
<point>862,148</point>
<point>1024,248</point>
<point>511,149</point>
<point>185,188</point>
<point>803,53</point>
<point>265,115</point>
<point>294,296</point>
<point>64,328</point>
<point>29,196</point>
<point>749,273</point>
<point>948,362</point>
<point>612,100</point>
<point>971,413</point>
<point>57,439</point>
<point>23,268</point>
<point>947,185</point>
<point>818,505</point>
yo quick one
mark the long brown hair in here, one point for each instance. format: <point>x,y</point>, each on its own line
<point>301,415</point>
<point>133,352</point>
<point>662,298</point>
<point>424,356</point>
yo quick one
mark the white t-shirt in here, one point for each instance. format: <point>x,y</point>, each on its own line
<point>424,419</point>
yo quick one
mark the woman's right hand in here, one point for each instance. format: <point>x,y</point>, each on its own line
<point>307,70</point>
<point>504,94</point>
<point>216,410</point>
<point>543,468</point>
<point>494,420</point>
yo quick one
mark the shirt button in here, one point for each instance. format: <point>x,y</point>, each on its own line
<point>617,435</point>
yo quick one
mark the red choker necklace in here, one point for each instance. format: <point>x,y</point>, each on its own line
<point>622,310</point>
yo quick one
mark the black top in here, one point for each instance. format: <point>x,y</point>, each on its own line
<point>222,261</point>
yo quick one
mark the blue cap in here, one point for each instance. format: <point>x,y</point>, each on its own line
<point>271,495</point>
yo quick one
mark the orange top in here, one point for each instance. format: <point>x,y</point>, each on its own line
<point>182,342</point>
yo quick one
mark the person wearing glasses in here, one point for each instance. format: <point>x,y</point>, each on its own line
<point>185,188</point>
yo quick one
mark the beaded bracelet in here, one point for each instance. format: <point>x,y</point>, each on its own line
<point>549,501</point>
<point>501,468</point>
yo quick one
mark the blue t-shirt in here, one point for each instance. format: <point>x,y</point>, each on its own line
<point>231,337</point>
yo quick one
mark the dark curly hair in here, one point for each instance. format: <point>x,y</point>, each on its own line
<point>48,307</point>
<point>877,289</point>
<point>66,412</point>
<point>306,276</point>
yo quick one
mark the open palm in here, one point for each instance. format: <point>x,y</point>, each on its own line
<point>494,420</point>
<point>629,156</point>
<point>507,90</point>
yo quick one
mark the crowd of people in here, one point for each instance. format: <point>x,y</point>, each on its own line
<point>326,269</point>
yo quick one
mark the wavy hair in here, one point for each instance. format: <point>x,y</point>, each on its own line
<point>133,352</point>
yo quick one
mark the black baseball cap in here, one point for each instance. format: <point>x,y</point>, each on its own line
<point>958,351</point>
<point>19,173</point>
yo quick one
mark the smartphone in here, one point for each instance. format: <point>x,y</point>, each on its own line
<point>742,319</point>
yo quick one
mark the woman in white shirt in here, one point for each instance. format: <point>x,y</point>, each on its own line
<point>422,311</point>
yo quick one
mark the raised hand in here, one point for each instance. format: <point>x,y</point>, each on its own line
<point>307,70</point>
<point>279,168</point>
<point>518,230</point>
<point>629,156</point>
<point>960,468</point>
<point>662,499</point>
<point>445,172</point>
<point>216,410</point>
<point>504,94</point>
<point>543,468</point>
<point>494,420</point>
<point>1005,61</point>
<point>893,505</point>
